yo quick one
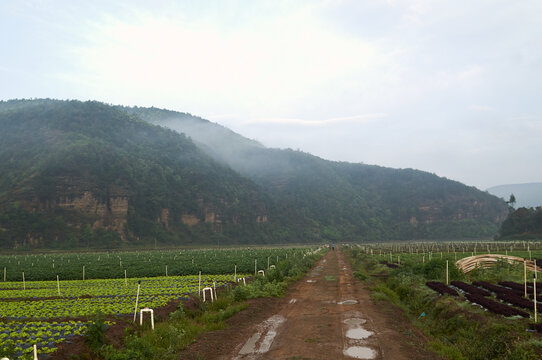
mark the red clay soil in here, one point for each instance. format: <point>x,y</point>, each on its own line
<point>315,322</point>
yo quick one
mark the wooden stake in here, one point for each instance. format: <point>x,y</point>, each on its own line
<point>525,275</point>
<point>58,285</point>
<point>125,279</point>
<point>137,299</point>
<point>24,283</point>
<point>83,272</point>
<point>199,284</point>
<point>446,272</point>
<point>235,274</point>
<point>534,292</point>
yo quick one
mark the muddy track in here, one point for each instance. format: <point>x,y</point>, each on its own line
<point>327,315</point>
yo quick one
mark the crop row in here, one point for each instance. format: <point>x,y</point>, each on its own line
<point>142,264</point>
<point>115,299</point>
<point>441,288</point>
<point>17,338</point>
<point>471,289</point>
<point>479,296</point>
<point>109,287</point>
<point>494,306</point>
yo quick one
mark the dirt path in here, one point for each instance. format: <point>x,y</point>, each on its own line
<point>327,315</point>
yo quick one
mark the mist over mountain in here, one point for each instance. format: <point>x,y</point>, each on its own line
<point>527,195</point>
<point>354,201</point>
<point>86,174</point>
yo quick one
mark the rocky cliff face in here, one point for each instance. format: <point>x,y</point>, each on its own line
<point>101,208</point>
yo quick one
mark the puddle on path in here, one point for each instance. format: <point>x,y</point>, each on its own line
<point>358,333</point>
<point>330,278</point>
<point>255,344</point>
<point>355,321</point>
<point>311,281</point>
<point>360,352</point>
<point>348,302</point>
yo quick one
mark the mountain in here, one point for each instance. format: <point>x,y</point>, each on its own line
<point>87,174</point>
<point>347,201</point>
<point>527,195</point>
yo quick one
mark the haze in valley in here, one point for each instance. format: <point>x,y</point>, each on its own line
<point>449,87</point>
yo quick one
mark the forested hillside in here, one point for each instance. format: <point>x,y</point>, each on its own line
<point>86,174</point>
<point>523,223</point>
<point>348,201</point>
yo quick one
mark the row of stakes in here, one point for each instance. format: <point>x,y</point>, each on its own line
<point>125,275</point>
<point>212,291</point>
<point>204,291</point>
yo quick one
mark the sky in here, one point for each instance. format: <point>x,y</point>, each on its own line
<point>449,87</point>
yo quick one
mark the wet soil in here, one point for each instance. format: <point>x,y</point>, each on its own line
<point>326,315</point>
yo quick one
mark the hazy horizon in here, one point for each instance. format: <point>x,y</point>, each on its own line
<point>445,87</point>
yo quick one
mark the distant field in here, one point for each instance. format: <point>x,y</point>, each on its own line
<point>112,265</point>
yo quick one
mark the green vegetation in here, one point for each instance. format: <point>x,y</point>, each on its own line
<point>90,175</point>
<point>343,200</point>
<point>184,325</point>
<point>523,223</point>
<point>47,313</point>
<point>112,265</point>
<point>458,329</point>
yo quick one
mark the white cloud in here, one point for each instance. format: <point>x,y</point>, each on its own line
<point>360,119</point>
<point>481,108</point>
<point>270,65</point>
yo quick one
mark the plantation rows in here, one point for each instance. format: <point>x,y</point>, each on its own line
<point>112,265</point>
<point>47,313</point>
<point>26,319</point>
<point>17,338</point>
<point>510,293</point>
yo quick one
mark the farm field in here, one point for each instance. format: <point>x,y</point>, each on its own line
<point>47,312</point>
<point>485,313</point>
<point>112,265</point>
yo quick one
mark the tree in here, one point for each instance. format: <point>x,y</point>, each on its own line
<point>512,200</point>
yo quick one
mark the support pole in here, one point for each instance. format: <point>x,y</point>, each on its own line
<point>447,282</point>
<point>534,292</point>
<point>137,299</point>
<point>58,285</point>
<point>525,275</point>
<point>24,283</point>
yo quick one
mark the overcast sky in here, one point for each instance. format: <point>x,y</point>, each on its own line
<point>450,87</point>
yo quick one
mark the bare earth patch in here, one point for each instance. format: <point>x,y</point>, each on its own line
<point>326,315</point>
